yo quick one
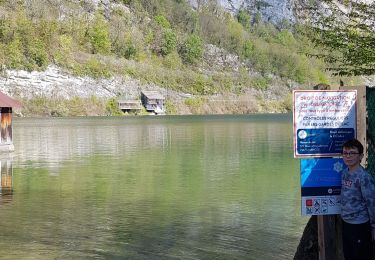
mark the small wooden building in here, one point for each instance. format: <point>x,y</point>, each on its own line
<point>153,101</point>
<point>127,105</point>
<point>6,137</point>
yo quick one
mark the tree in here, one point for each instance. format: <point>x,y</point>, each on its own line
<point>100,39</point>
<point>345,31</point>
<point>165,40</point>
<point>192,49</point>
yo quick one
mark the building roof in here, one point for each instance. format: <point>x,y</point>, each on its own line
<point>151,94</point>
<point>6,101</point>
<point>128,101</point>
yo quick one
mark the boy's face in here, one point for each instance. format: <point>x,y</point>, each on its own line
<point>351,156</point>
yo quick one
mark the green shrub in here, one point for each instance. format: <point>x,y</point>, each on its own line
<point>287,102</point>
<point>99,36</point>
<point>37,55</point>
<point>235,37</point>
<point>94,68</point>
<point>170,107</point>
<point>243,18</point>
<point>194,102</point>
<point>223,81</point>
<point>172,61</point>
<point>63,53</point>
<point>192,49</point>
<point>169,42</point>
<point>162,21</point>
<point>247,49</point>
<point>285,38</point>
<point>112,107</point>
<point>260,83</point>
<point>15,58</point>
<point>76,106</point>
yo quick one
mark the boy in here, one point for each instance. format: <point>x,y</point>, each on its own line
<point>357,204</point>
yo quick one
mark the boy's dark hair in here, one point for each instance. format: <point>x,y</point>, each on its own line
<point>354,143</point>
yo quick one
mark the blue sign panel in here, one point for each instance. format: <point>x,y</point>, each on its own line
<point>322,172</point>
<point>323,140</point>
<point>321,186</point>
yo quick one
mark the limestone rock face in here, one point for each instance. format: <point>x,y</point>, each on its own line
<point>274,11</point>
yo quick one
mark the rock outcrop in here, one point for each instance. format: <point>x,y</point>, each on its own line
<point>55,83</point>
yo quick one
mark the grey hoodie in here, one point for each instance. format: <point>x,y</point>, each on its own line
<point>358,197</point>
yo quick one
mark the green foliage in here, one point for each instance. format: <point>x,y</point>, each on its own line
<point>170,108</point>
<point>235,37</point>
<point>15,57</point>
<point>76,106</point>
<point>192,49</point>
<point>260,83</point>
<point>287,103</point>
<point>280,60</point>
<point>63,53</point>
<point>194,102</point>
<point>244,18</point>
<point>247,49</point>
<point>99,36</point>
<point>31,40</point>
<point>162,21</point>
<point>112,107</point>
<point>164,41</point>
<point>37,55</point>
<point>169,42</point>
<point>286,38</point>
<point>93,68</point>
<point>129,43</point>
<point>172,61</point>
<point>24,43</point>
<point>347,38</point>
<point>127,50</point>
<point>130,51</point>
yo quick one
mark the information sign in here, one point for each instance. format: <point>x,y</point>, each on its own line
<point>323,120</point>
<point>321,186</point>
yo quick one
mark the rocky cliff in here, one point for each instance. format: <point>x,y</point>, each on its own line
<point>274,11</point>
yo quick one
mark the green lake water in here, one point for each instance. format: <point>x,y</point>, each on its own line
<point>171,187</point>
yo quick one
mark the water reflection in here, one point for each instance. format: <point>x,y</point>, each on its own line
<point>6,183</point>
<point>58,141</point>
<point>153,188</point>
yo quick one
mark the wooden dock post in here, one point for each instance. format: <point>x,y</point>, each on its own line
<point>327,237</point>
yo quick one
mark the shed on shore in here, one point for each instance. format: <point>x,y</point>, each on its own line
<point>153,101</point>
<point>6,138</point>
<point>130,105</point>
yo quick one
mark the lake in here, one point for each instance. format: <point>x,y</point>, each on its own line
<point>152,187</point>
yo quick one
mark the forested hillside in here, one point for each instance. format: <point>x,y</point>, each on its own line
<point>203,51</point>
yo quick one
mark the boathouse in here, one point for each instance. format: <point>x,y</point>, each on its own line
<point>6,106</point>
<point>128,105</point>
<point>153,101</point>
